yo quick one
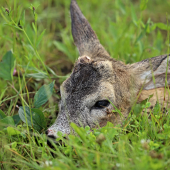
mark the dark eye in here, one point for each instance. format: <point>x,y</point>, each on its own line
<point>101,104</point>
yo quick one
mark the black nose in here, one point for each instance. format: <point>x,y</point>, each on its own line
<point>49,142</point>
<point>51,136</point>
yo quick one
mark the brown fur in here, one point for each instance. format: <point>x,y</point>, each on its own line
<point>98,77</point>
<point>161,95</point>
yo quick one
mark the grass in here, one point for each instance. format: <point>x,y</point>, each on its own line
<point>44,51</point>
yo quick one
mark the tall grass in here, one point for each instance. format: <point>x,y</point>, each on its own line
<point>39,35</point>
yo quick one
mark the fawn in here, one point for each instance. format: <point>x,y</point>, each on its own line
<point>98,80</point>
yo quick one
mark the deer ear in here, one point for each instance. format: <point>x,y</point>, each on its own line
<point>152,72</point>
<point>84,37</point>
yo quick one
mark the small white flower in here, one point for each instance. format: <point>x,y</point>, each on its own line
<point>142,141</point>
<point>48,163</point>
<point>118,164</point>
<point>145,141</point>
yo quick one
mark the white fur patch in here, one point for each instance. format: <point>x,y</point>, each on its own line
<point>146,74</point>
<point>88,58</point>
<point>159,75</point>
<point>162,68</point>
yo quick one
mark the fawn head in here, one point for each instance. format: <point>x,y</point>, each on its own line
<point>99,83</point>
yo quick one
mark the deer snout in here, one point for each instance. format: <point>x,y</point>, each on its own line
<point>49,134</point>
<point>60,125</point>
<point>52,134</point>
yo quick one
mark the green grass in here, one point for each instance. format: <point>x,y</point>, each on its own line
<point>130,30</point>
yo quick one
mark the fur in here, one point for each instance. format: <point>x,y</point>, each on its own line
<point>96,76</point>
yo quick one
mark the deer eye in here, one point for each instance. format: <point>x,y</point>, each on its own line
<point>101,104</point>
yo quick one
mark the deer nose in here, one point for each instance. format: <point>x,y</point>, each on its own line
<point>50,135</point>
<point>46,132</point>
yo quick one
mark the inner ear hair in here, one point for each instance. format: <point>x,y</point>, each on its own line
<point>153,78</point>
<point>153,72</point>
